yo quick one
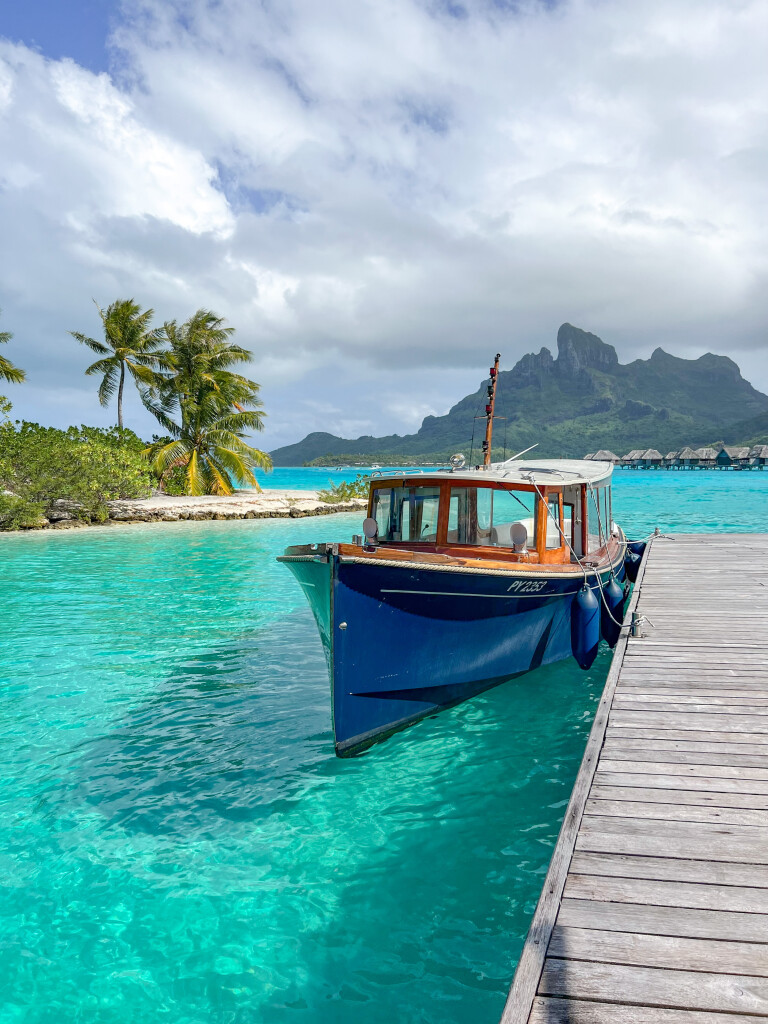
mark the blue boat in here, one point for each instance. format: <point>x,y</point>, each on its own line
<point>464,578</point>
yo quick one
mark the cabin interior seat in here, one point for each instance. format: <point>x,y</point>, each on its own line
<point>505,534</point>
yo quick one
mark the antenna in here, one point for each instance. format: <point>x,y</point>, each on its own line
<point>513,457</point>
<point>489,407</point>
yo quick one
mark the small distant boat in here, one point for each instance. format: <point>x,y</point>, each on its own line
<point>375,466</point>
<point>465,578</point>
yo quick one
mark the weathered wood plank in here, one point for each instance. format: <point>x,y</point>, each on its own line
<point>696,706</point>
<point>551,1010</point>
<point>631,917</point>
<point>690,720</point>
<point>659,951</point>
<point>629,776</point>
<point>680,797</point>
<point>641,753</point>
<point>676,811</point>
<point>651,892</point>
<point>696,847</point>
<point>690,735</point>
<point>621,740</point>
<point>636,700</point>
<point>670,869</point>
<point>652,986</point>
<point>705,831</point>
<point>671,767</point>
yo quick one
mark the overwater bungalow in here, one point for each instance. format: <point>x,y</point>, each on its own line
<point>605,456</point>
<point>686,459</point>
<point>651,459</point>
<point>632,459</point>
<point>758,456</point>
<point>670,459</point>
<point>732,457</point>
<point>707,457</point>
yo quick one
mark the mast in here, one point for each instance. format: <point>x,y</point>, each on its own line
<point>489,407</point>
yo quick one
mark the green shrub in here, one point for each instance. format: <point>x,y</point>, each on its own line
<point>19,513</point>
<point>357,488</point>
<point>88,465</point>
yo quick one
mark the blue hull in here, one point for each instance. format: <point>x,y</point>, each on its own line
<point>404,642</point>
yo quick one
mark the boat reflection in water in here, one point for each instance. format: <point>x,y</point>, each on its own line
<point>466,578</point>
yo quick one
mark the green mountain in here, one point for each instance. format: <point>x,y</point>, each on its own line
<point>582,400</point>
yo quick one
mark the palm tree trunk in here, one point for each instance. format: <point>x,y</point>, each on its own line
<point>120,397</point>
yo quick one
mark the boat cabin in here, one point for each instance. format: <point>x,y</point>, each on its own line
<point>549,512</point>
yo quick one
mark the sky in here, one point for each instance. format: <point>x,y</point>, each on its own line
<point>381,194</point>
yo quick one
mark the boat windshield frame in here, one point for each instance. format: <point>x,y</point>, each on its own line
<point>551,507</point>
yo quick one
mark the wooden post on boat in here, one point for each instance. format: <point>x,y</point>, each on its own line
<point>489,407</point>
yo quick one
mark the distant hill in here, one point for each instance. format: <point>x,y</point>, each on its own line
<point>582,400</point>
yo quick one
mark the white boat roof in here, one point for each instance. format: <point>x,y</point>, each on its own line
<point>524,471</point>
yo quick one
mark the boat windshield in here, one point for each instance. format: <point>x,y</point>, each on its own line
<point>485,516</point>
<point>406,513</point>
<point>479,516</point>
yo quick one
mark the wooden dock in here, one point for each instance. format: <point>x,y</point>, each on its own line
<point>655,906</point>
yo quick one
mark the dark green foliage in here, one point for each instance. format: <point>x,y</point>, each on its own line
<point>13,374</point>
<point>87,465</point>
<point>344,491</point>
<point>581,401</point>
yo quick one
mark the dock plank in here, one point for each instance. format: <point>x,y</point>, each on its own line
<point>655,907</point>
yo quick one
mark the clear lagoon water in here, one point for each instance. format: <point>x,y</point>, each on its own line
<point>178,842</point>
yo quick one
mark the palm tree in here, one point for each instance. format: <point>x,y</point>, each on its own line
<point>8,371</point>
<point>215,406</point>
<point>128,344</point>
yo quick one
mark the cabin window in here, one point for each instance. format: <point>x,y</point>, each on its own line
<point>598,517</point>
<point>554,540</point>
<point>569,519</point>
<point>484,516</point>
<point>406,513</point>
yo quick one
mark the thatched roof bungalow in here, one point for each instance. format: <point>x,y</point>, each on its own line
<point>732,455</point>
<point>651,459</point>
<point>687,457</point>
<point>633,458</point>
<point>670,458</point>
<point>758,455</point>
<point>605,456</point>
<point>706,457</point>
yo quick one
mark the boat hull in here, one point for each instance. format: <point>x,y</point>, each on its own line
<point>406,641</point>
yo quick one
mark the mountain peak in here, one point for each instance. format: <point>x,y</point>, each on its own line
<point>579,350</point>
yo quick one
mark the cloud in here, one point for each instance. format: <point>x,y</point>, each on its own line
<point>372,191</point>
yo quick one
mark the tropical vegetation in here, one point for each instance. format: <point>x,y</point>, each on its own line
<point>344,491</point>
<point>128,344</point>
<point>188,375</point>
<point>205,407</point>
<point>13,374</point>
<point>43,469</point>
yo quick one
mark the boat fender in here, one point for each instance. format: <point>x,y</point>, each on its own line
<point>585,627</point>
<point>611,611</point>
<point>631,565</point>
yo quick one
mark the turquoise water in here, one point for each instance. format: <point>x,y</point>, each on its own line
<point>177,838</point>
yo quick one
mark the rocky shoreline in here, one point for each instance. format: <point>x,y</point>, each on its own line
<point>63,514</point>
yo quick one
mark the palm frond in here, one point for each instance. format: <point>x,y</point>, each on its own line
<point>108,385</point>
<point>92,343</point>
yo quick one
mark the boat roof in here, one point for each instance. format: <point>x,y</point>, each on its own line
<point>544,472</point>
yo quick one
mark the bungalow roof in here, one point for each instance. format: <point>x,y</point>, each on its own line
<point>605,456</point>
<point>734,452</point>
<point>706,453</point>
<point>758,451</point>
<point>687,453</point>
<point>651,454</point>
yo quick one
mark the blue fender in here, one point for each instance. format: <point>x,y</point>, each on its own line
<point>611,611</point>
<point>585,627</point>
